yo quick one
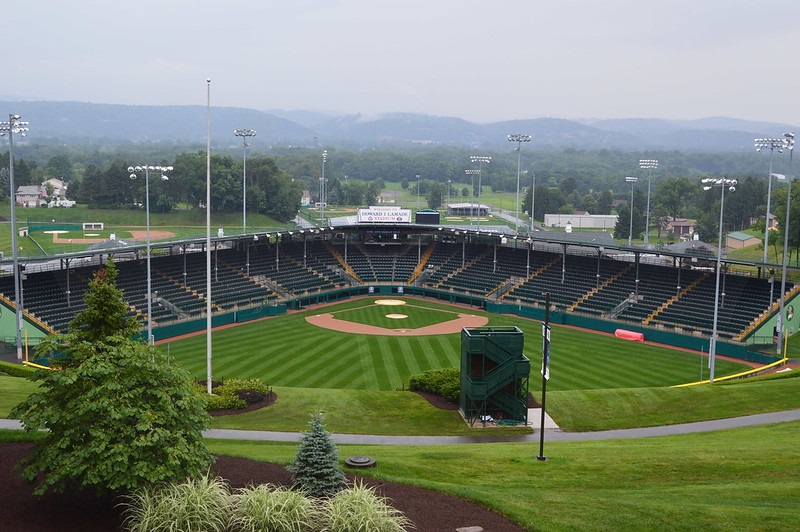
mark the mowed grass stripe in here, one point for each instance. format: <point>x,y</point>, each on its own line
<point>287,351</point>
<point>316,357</point>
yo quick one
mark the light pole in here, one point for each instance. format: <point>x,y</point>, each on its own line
<point>519,138</point>
<point>533,198</point>
<point>322,189</point>
<point>632,181</point>
<point>244,133</point>
<point>472,173</point>
<point>480,159</point>
<point>449,186</point>
<point>133,175</point>
<point>418,200</point>
<point>772,144</point>
<point>789,145</point>
<point>722,183</point>
<point>649,165</point>
<point>14,125</point>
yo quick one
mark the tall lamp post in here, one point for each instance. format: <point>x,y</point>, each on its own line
<point>722,183</point>
<point>322,189</point>
<point>772,144</point>
<point>789,145</point>
<point>533,198</point>
<point>14,125</point>
<point>632,181</point>
<point>480,159</point>
<point>418,199</point>
<point>519,138</point>
<point>245,134</point>
<point>133,175</point>
<point>472,173</point>
<point>649,165</point>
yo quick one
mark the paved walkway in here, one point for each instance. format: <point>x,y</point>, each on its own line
<point>550,434</point>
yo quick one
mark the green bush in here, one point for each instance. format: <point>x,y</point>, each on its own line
<point>196,505</point>
<point>226,395</point>
<point>445,382</point>
<point>359,508</point>
<point>119,415</point>
<point>260,508</point>
<point>16,370</point>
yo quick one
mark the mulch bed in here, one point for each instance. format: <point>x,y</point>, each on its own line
<point>79,511</point>
<point>22,511</point>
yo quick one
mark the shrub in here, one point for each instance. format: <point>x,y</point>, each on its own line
<point>232,394</point>
<point>359,508</point>
<point>119,415</point>
<point>197,505</point>
<point>16,370</point>
<point>263,508</point>
<point>316,465</point>
<point>445,382</point>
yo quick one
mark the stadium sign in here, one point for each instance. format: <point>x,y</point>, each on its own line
<point>393,215</point>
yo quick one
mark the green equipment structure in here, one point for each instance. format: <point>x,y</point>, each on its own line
<point>494,375</point>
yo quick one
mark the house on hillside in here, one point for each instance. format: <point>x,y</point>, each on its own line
<point>31,196</point>
<point>681,227</point>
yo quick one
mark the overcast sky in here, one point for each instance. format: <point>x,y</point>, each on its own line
<point>483,61</point>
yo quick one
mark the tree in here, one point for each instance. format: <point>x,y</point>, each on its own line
<point>119,415</point>
<point>435,195</point>
<point>316,466</point>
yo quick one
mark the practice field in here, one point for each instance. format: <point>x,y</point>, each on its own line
<point>288,351</point>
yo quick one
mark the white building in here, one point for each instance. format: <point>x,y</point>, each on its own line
<point>582,221</point>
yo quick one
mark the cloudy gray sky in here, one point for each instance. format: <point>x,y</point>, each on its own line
<point>479,60</point>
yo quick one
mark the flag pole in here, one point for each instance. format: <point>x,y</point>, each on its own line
<point>545,371</point>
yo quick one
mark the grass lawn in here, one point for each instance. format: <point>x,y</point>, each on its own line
<point>416,316</point>
<point>286,351</point>
<point>741,479</point>
<point>13,390</point>
<point>357,412</point>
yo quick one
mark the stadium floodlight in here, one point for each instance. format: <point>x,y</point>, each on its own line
<point>480,159</point>
<point>773,144</point>
<point>472,173</point>
<point>322,183</point>
<point>708,184</point>
<point>244,134</point>
<point>789,145</point>
<point>632,181</point>
<point>133,175</point>
<point>519,138</point>
<point>649,165</point>
<point>15,126</point>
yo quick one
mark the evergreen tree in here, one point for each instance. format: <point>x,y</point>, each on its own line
<point>316,465</point>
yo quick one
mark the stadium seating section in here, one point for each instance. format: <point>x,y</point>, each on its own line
<point>680,299</point>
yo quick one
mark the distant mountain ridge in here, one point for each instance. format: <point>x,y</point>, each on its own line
<point>82,122</point>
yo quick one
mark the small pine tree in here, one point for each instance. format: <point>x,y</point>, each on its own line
<point>316,465</point>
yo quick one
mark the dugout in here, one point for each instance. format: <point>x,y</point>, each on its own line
<point>494,374</point>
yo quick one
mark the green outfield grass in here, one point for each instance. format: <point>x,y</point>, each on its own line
<point>741,479</point>
<point>286,351</point>
<point>416,316</point>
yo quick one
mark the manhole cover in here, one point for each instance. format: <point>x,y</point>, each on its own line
<point>360,461</point>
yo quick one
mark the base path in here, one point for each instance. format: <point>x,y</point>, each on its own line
<point>327,321</point>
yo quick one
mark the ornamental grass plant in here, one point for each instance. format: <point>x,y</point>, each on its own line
<point>265,508</point>
<point>196,505</point>
<point>359,508</point>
